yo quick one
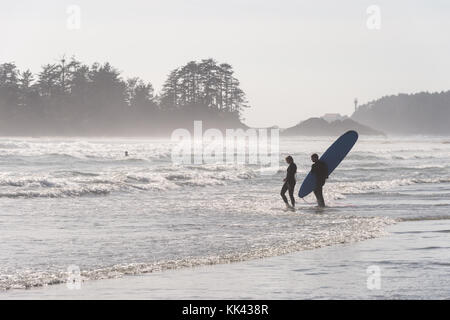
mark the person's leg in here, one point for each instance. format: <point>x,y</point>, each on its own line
<point>316,193</point>
<point>319,195</point>
<point>283,191</point>
<point>291,194</point>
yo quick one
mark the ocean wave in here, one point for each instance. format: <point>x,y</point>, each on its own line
<point>22,182</point>
<point>370,167</point>
<point>368,186</point>
<point>40,188</point>
<point>424,218</point>
<point>56,193</point>
<point>364,156</point>
<point>14,145</point>
<point>339,190</point>
<point>139,179</point>
<point>179,176</point>
<point>79,173</point>
<point>77,183</point>
<point>209,168</point>
<point>54,150</point>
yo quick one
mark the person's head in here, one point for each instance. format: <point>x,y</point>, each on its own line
<point>314,157</point>
<point>289,159</point>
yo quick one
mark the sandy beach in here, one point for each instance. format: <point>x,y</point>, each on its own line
<point>409,269</point>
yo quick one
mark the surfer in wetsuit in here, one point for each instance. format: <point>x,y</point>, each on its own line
<point>289,182</point>
<point>320,170</point>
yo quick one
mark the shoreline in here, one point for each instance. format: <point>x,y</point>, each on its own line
<point>333,272</point>
<point>357,233</point>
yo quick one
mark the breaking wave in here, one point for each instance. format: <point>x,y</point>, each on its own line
<point>217,213</point>
<point>79,183</point>
<point>333,230</point>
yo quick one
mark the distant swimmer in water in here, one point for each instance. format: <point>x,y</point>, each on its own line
<point>126,153</point>
<point>289,182</point>
<point>320,170</point>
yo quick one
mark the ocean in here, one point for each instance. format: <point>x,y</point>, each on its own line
<point>80,202</point>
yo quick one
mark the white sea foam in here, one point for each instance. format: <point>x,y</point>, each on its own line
<point>81,201</point>
<point>322,231</point>
<point>369,186</point>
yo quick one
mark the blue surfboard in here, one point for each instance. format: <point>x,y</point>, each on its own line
<point>332,157</point>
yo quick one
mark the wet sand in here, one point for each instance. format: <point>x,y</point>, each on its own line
<point>413,260</point>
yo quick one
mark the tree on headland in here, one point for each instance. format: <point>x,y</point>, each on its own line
<point>205,85</point>
<point>70,97</point>
<point>9,89</point>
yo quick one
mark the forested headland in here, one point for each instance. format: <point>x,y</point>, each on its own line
<point>321,127</point>
<point>418,113</point>
<point>72,98</point>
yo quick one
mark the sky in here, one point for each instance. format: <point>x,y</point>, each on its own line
<point>294,59</point>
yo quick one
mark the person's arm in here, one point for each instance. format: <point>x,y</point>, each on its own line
<point>314,169</point>
<point>287,174</point>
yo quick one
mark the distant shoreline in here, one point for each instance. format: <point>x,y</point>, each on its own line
<point>165,137</point>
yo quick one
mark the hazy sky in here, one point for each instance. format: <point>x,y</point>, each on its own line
<point>295,59</point>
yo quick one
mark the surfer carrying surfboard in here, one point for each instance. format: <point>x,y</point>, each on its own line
<point>320,170</point>
<point>289,182</point>
<point>324,166</point>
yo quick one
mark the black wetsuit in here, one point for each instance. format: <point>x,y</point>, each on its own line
<point>289,184</point>
<point>320,170</point>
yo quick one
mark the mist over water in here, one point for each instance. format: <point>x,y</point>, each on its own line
<point>82,202</point>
